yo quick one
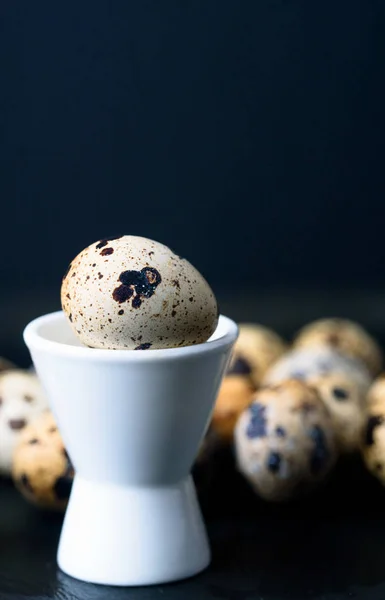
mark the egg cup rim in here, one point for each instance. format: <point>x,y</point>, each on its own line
<point>36,341</point>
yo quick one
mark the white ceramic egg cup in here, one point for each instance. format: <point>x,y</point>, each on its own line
<point>132,422</point>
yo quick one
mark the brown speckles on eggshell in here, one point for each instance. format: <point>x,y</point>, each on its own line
<point>122,294</point>
<point>107,252</point>
<point>17,424</point>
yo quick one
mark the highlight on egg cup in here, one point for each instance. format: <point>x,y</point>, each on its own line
<point>132,423</point>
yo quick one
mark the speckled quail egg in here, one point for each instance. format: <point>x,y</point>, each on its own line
<point>41,469</point>
<point>376,394</point>
<point>284,441</point>
<point>373,441</point>
<point>255,350</point>
<point>304,363</point>
<point>345,336</point>
<point>133,293</point>
<point>234,396</point>
<point>21,399</point>
<point>345,398</point>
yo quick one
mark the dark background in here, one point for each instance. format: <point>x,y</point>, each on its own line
<point>248,135</point>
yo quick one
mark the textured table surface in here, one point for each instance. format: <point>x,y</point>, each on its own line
<point>329,547</point>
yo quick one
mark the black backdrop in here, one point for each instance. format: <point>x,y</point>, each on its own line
<point>248,135</point>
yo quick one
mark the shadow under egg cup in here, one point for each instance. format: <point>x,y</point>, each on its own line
<point>132,422</point>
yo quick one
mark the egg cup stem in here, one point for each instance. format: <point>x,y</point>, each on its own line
<point>127,535</point>
<point>131,423</point>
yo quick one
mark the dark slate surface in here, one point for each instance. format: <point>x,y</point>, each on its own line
<point>328,547</point>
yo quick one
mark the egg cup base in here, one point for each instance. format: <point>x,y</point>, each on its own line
<point>131,536</point>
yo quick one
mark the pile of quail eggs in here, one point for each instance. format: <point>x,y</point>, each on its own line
<point>289,411</point>
<point>32,452</point>
<point>292,411</point>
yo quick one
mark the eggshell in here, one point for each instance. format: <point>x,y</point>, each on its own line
<point>376,394</point>
<point>134,293</point>
<point>234,396</point>
<point>284,441</point>
<point>255,350</point>
<point>373,441</point>
<point>42,470</point>
<point>346,337</point>
<point>21,400</point>
<point>345,398</point>
<point>304,363</point>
